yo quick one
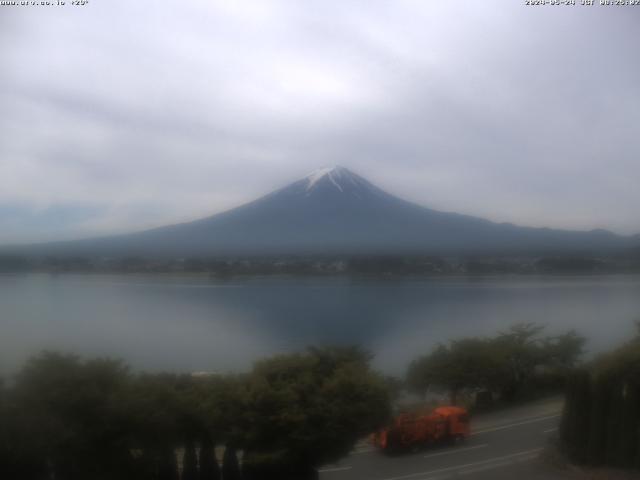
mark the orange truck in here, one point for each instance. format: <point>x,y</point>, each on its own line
<point>408,431</point>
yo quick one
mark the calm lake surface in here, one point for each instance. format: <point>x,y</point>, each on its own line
<point>183,323</point>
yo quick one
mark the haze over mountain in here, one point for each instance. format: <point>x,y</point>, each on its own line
<point>335,211</point>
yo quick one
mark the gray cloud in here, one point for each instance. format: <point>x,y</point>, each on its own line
<point>146,113</point>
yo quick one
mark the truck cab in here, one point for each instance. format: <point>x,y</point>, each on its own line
<point>457,422</point>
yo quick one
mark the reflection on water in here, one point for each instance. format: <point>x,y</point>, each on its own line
<point>192,323</point>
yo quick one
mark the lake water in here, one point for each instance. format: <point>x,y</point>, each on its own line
<point>183,323</point>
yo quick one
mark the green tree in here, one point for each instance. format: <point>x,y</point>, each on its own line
<point>598,421</point>
<point>614,425</point>
<point>426,371</point>
<point>563,351</point>
<point>304,410</point>
<point>610,389</point>
<point>190,462</point>
<point>164,413</point>
<point>619,374</point>
<point>505,364</point>
<point>574,426</point>
<point>230,464</point>
<point>522,352</point>
<point>61,398</point>
<point>209,468</point>
<point>630,435</point>
<point>470,363</point>
<point>167,464</point>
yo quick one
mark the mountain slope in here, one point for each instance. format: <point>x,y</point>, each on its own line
<point>334,210</point>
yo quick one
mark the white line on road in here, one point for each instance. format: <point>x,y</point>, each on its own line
<point>336,469</point>
<point>511,425</point>
<point>550,430</point>
<point>468,465</point>
<point>457,450</point>
<point>360,452</point>
<point>503,463</point>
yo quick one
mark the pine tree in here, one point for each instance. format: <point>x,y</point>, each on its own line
<point>630,438</point>
<point>614,425</point>
<point>167,465</point>
<point>190,462</point>
<point>574,428</point>
<point>598,421</point>
<point>209,468</point>
<point>230,465</point>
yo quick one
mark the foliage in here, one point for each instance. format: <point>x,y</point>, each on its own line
<point>209,468</point>
<point>70,414</point>
<point>309,409</point>
<point>230,464</point>
<point>505,364</point>
<point>68,418</point>
<point>574,426</point>
<point>190,462</point>
<point>463,364</point>
<point>611,390</point>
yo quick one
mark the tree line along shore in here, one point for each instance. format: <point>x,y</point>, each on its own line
<point>398,265</point>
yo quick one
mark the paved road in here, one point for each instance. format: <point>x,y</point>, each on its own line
<point>504,445</point>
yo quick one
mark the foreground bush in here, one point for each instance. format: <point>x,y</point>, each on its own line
<point>68,419</point>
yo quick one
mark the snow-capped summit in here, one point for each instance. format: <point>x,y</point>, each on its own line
<point>334,174</point>
<point>336,179</point>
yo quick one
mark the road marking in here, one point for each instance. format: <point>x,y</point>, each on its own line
<point>511,425</point>
<point>468,465</point>
<point>503,463</point>
<point>457,450</point>
<point>336,469</point>
<point>360,452</point>
<point>550,430</point>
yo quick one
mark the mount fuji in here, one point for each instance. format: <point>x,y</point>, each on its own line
<point>335,211</point>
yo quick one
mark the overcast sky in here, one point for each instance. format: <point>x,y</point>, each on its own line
<point>122,115</point>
